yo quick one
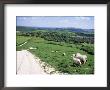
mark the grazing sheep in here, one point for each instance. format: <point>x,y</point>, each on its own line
<point>79,59</point>
<point>76,60</point>
<point>83,58</point>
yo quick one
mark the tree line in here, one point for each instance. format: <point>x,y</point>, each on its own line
<point>61,37</point>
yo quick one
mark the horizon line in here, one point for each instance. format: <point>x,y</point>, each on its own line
<point>53,27</point>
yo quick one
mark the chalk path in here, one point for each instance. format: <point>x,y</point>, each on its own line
<point>27,63</point>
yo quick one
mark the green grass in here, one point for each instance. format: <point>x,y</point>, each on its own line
<point>56,59</point>
<point>21,39</point>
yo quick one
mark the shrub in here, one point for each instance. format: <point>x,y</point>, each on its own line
<point>89,48</point>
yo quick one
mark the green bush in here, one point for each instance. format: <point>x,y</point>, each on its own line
<point>89,48</point>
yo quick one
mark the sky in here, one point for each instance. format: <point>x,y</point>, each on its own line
<point>83,22</point>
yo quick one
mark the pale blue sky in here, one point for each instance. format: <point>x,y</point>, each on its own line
<point>84,22</point>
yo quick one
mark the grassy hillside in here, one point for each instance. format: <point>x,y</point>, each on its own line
<point>52,53</point>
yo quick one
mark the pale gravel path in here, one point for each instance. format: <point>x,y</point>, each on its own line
<point>27,63</point>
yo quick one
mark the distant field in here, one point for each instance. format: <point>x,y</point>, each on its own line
<point>52,53</point>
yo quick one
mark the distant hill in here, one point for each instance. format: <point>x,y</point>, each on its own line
<point>77,30</point>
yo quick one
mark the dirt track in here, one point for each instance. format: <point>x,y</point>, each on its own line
<point>27,63</point>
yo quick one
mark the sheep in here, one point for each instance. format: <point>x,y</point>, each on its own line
<point>83,58</point>
<point>76,60</point>
<point>79,59</point>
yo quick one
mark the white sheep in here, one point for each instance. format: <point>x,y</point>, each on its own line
<point>83,58</point>
<point>76,60</point>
